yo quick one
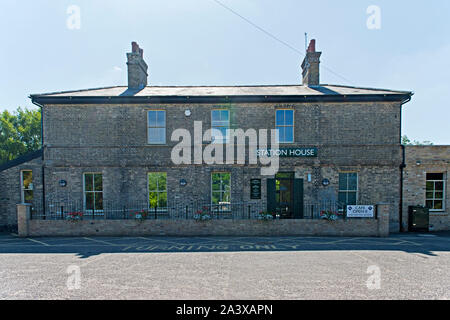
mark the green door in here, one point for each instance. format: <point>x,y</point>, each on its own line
<point>285,196</point>
<point>298,199</point>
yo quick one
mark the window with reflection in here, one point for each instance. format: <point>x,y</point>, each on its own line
<point>93,192</point>
<point>156,127</point>
<point>348,189</point>
<point>157,190</point>
<point>284,120</point>
<point>220,124</point>
<point>435,191</point>
<point>220,188</point>
<point>27,186</point>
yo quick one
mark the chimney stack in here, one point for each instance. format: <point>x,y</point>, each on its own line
<point>137,68</point>
<point>310,66</point>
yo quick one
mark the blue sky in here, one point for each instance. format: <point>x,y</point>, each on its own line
<point>198,42</point>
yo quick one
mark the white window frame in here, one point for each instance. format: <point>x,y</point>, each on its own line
<point>158,192</point>
<point>22,188</point>
<point>434,191</point>
<point>156,127</point>
<point>226,139</point>
<point>84,193</point>
<point>286,126</point>
<point>348,191</point>
<point>225,204</point>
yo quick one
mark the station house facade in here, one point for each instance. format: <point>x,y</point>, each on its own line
<point>337,143</point>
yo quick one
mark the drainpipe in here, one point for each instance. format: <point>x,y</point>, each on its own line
<point>402,167</point>
<point>42,144</point>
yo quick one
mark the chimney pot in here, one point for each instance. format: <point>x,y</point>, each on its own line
<point>137,68</point>
<point>134,47</point>
<point>312,46</point>
<point>310,66</point>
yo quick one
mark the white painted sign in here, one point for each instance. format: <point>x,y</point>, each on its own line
<point>360,211</point>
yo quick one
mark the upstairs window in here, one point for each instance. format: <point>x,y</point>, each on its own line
<point>156,127</point>
<point>284,120</point>
<point>220,124</point>
<point>348,189</point>
<point>435,192</point>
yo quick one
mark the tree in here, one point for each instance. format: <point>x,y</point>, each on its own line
<point>407,142</point>
<point>20,133</point>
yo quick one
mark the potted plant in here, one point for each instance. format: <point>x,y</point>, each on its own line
<point>329,215</point>
<point>74,216</point>
<point>202,216</point>
<point>265,216</point>
<point>141,215</point>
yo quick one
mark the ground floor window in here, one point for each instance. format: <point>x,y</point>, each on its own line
<point>157,190</point>
<point>435,191</point>
<point>348,189</point>
<point>26,183</point>
<point>221,189</point>
<point>93,191</point>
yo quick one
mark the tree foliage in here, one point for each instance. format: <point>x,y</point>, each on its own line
<point>20,133</point>
<point>407,142</point>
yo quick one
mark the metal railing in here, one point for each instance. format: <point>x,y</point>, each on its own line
<point>175,210</point>
<point>314,210</point>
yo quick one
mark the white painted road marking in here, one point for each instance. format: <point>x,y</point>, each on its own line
<point>40,242</point>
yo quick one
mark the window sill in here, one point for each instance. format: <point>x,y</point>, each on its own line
<point>438,213</point>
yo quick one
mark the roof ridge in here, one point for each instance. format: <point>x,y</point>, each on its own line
<point>70,91</point>
<point>364,88</point>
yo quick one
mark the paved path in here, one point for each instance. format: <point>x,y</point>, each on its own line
<point>410,267</point>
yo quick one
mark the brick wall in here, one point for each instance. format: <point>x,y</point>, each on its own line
<point>113,126</point>
<point>129,185</point>
<point>433,159</point>
<point>112,139</point>
<point>352,227</point>
<point>359,228</point>
<point>10,193</point>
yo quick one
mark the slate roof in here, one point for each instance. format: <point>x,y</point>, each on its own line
<point>221,91</point>
<point>173,94</point>
<point>22,159</point>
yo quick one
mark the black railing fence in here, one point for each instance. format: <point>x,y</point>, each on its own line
<point>197,210</point>
<point>314,210</point>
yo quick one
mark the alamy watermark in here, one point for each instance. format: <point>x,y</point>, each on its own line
<point>74,279</point>
<point>374,280</point>
<point>374,19</point>
<point>213,152</point>
<point>73,21</point>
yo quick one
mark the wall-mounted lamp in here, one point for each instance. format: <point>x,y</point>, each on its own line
<point>419,162</point>
<point>309,177</point>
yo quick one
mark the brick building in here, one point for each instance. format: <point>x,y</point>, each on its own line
<point>114,145</point>
<point>425,183</point>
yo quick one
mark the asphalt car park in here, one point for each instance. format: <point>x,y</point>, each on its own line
<point>407,266</point>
